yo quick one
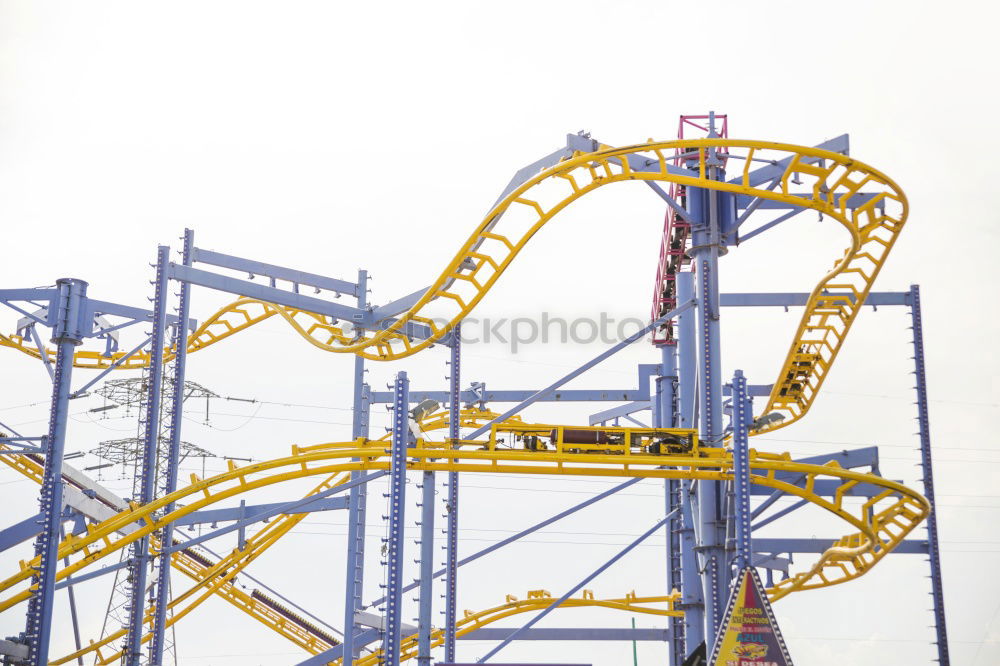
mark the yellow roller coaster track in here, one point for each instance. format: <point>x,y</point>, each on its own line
<point>218,578</point>
<point>881,521</point>
<point>830,179</point>
<point>537,600</point>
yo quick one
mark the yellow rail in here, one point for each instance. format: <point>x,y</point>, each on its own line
<point>536,600</point>
<point>880,524</point>
<point>829,179</point>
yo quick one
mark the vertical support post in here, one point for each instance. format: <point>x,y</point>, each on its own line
<point>66,333</point>
<point>397,499</point>
<point>451,548</point>
<point>692,601</point>
<point>742,417</point>
<point>138,566</point>
<point>357,502</point>
<point>926,463</point>
<point>667,417</point>
<point>175,414</point>
<point>706,243</point>
<point>425,605</point>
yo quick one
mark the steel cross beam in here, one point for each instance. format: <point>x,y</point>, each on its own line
<point>478,392</point>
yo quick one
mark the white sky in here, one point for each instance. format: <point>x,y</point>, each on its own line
<point>333,136</point>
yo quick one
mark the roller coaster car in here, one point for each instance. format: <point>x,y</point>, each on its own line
<point>533,443</point>
<point>590,439</point>
<point>669,445</point>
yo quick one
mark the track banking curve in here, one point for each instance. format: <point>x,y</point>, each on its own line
<point>825,181</point>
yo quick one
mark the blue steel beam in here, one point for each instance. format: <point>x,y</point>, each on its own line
<point>369,636</point>
<point>249,512</point>
<point>175,413</point>
<point>745,200</point>
<point>291,507</point>
<point>709,520</point>
<point>358,499</point>
<point>569,634</point>
<point>603,356</point>
<point>584,143</point>
<point>927,467</point>
<point>742,418</point>
<point>839,144</point>
<point>265,293</point>
<point>667,416</point>
<point>692,599</point>
<point>67,333</point>
<point>356,316</point>
<point>570,395</point>
<point>139,551</point>
<point>296,277</point>
<point>451,514</point>
<point>477,394</point>
<point>781,545</point>
<point>619,411</point>
<point>395,540</point>
<point>778,299</point>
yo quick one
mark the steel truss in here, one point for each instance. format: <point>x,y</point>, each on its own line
<point>716,492</point>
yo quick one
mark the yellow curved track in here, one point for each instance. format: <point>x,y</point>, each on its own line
<point>880,522</point>
<point>829,180</point>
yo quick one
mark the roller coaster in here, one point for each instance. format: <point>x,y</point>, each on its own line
<point>709,471</point>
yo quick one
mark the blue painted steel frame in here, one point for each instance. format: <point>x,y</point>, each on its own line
<point>175,414</point>
<point>709,521</point>
<point>397,505</point>
<point>358,500</point>
<point>923,418</point>
<point>67,333</point>
<point>742,418</point>
<point>139,563</point>
<point>451,531</point>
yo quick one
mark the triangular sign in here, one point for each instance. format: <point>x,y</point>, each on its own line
<point>697,658</point>
<point>749,635</point>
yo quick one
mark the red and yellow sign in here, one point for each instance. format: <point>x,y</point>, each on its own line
<point>749,635</point>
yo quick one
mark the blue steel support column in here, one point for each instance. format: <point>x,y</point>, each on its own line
<point>66,334</point>
<point>451,548</point>
<point>706,243</point>
<point>692,601</point>
<point>742,417</point>
<point>667,417</point>
<point>933,551</point>
<point>357,501</point>
<point>397,499</point>
<point>140,548</point>
<point>162,588</point>
<point>426,598</point>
